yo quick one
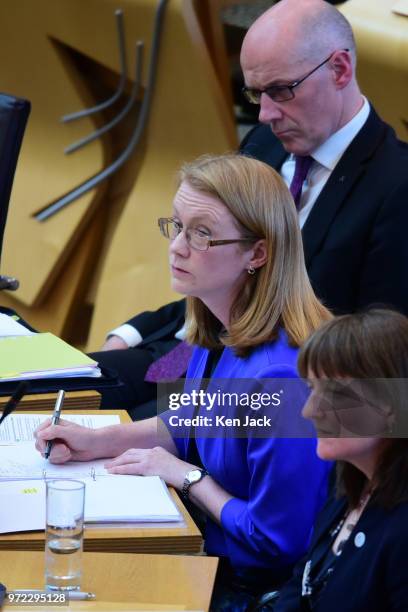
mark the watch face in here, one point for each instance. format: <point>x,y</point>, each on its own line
<point>194,475</point>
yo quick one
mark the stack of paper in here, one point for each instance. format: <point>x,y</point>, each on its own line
<point>108,499</point>
<point>27,357</point>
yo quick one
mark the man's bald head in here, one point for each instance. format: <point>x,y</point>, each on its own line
<point>303,29</point>
<point>298,59</point>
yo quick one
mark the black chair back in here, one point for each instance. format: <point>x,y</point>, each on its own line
<point>13,119</point>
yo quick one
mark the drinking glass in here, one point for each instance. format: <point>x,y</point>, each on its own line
<point>64,533</point>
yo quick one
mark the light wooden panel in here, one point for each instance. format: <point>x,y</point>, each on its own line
<point>63,39</point>
<point>382,68</point>
<point>189,117</point>
<point>56,311</point>
<point>32,68</point>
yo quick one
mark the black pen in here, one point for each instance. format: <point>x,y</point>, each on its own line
<point>55,419</point>
<point>14,400</point>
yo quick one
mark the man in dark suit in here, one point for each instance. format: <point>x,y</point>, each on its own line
<point>298,62</point>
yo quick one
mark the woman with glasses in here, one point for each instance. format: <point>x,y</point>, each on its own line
<point>357,366</point>
<point>235,251</point>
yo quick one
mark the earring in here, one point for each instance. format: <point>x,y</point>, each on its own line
<point>251,270</point>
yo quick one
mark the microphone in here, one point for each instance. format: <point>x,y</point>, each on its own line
<point>9,282</point>
<point>14,399</point>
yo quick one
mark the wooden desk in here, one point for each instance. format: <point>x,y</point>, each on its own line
<point>74,400</point>
<point>165,538</point>
<point>118,580</point>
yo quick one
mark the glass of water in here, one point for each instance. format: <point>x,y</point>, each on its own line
<point>64,534</point>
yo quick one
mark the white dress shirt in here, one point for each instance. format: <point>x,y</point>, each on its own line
<point>326,156</point>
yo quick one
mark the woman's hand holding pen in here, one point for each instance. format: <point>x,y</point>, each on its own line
<point>71,442</point>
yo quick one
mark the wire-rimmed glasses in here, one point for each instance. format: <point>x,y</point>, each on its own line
<point>196,238</point>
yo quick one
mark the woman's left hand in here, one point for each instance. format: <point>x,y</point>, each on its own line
<point>151,462</point>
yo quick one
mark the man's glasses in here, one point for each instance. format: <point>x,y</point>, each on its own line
<point>196,238</point>
<point>280,93</point>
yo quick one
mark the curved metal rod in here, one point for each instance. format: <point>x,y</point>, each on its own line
<point>108,126</point>
<point>91,183</point>
<point>123,72</point>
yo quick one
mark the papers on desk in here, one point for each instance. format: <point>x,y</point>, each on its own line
<point>23,462</point>
<point>116,498</point>
<point>21,427</point>
<point>33,356</point>
<point>10,327</point>
<point>22,506</point>
<point>108,498</point>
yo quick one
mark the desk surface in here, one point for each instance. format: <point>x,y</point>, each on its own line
<point>165,538</point>
<point>74,400</point>
<point>183,583</point>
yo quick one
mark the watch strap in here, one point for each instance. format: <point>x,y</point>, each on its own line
<point>185,491</point>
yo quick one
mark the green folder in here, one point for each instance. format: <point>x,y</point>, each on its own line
<point>42,356</point>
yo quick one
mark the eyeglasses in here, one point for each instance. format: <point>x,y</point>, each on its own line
<point>361,406</point>
<point>280,93</point>
<point>196,238</point>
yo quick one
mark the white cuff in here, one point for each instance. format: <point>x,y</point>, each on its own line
<point>181,334</point>
<point>129,334</point>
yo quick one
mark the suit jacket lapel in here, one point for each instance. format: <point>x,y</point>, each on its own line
<point>276,156</point>
<point>262,144</point>
<point>340,183</point>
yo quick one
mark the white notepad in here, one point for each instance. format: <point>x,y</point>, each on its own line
<point>108,497</point>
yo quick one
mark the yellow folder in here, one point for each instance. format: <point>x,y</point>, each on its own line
<point>42,356</point>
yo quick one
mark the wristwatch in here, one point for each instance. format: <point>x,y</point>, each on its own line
<point>192,477</point>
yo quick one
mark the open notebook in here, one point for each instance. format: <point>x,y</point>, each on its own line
<point>108,498</point>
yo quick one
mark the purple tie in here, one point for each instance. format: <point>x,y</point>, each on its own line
<point>302,167</point>
<point>171,366</point>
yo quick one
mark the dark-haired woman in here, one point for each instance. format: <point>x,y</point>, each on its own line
<point>357,366</point>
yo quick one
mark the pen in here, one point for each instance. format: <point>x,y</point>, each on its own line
<point>55,419</point>
<point>14,400</point>
<point>72,595</point>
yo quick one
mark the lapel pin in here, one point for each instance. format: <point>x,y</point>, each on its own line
<point>342,179</point>
<point>359,540</point>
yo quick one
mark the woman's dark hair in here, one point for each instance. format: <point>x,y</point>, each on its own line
<point>372,345</point>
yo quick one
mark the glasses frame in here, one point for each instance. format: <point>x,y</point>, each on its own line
<point>163,221</point>
<point>252,94</point>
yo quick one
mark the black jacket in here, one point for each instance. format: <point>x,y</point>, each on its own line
<point>355,238</point>
<point>371,575</point>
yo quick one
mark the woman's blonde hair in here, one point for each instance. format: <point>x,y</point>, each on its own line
<point>279,293</point>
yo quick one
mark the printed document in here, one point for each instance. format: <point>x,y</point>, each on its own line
<point>21,427</point>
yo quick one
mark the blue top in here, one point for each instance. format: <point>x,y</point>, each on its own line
<point>278,484</point>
